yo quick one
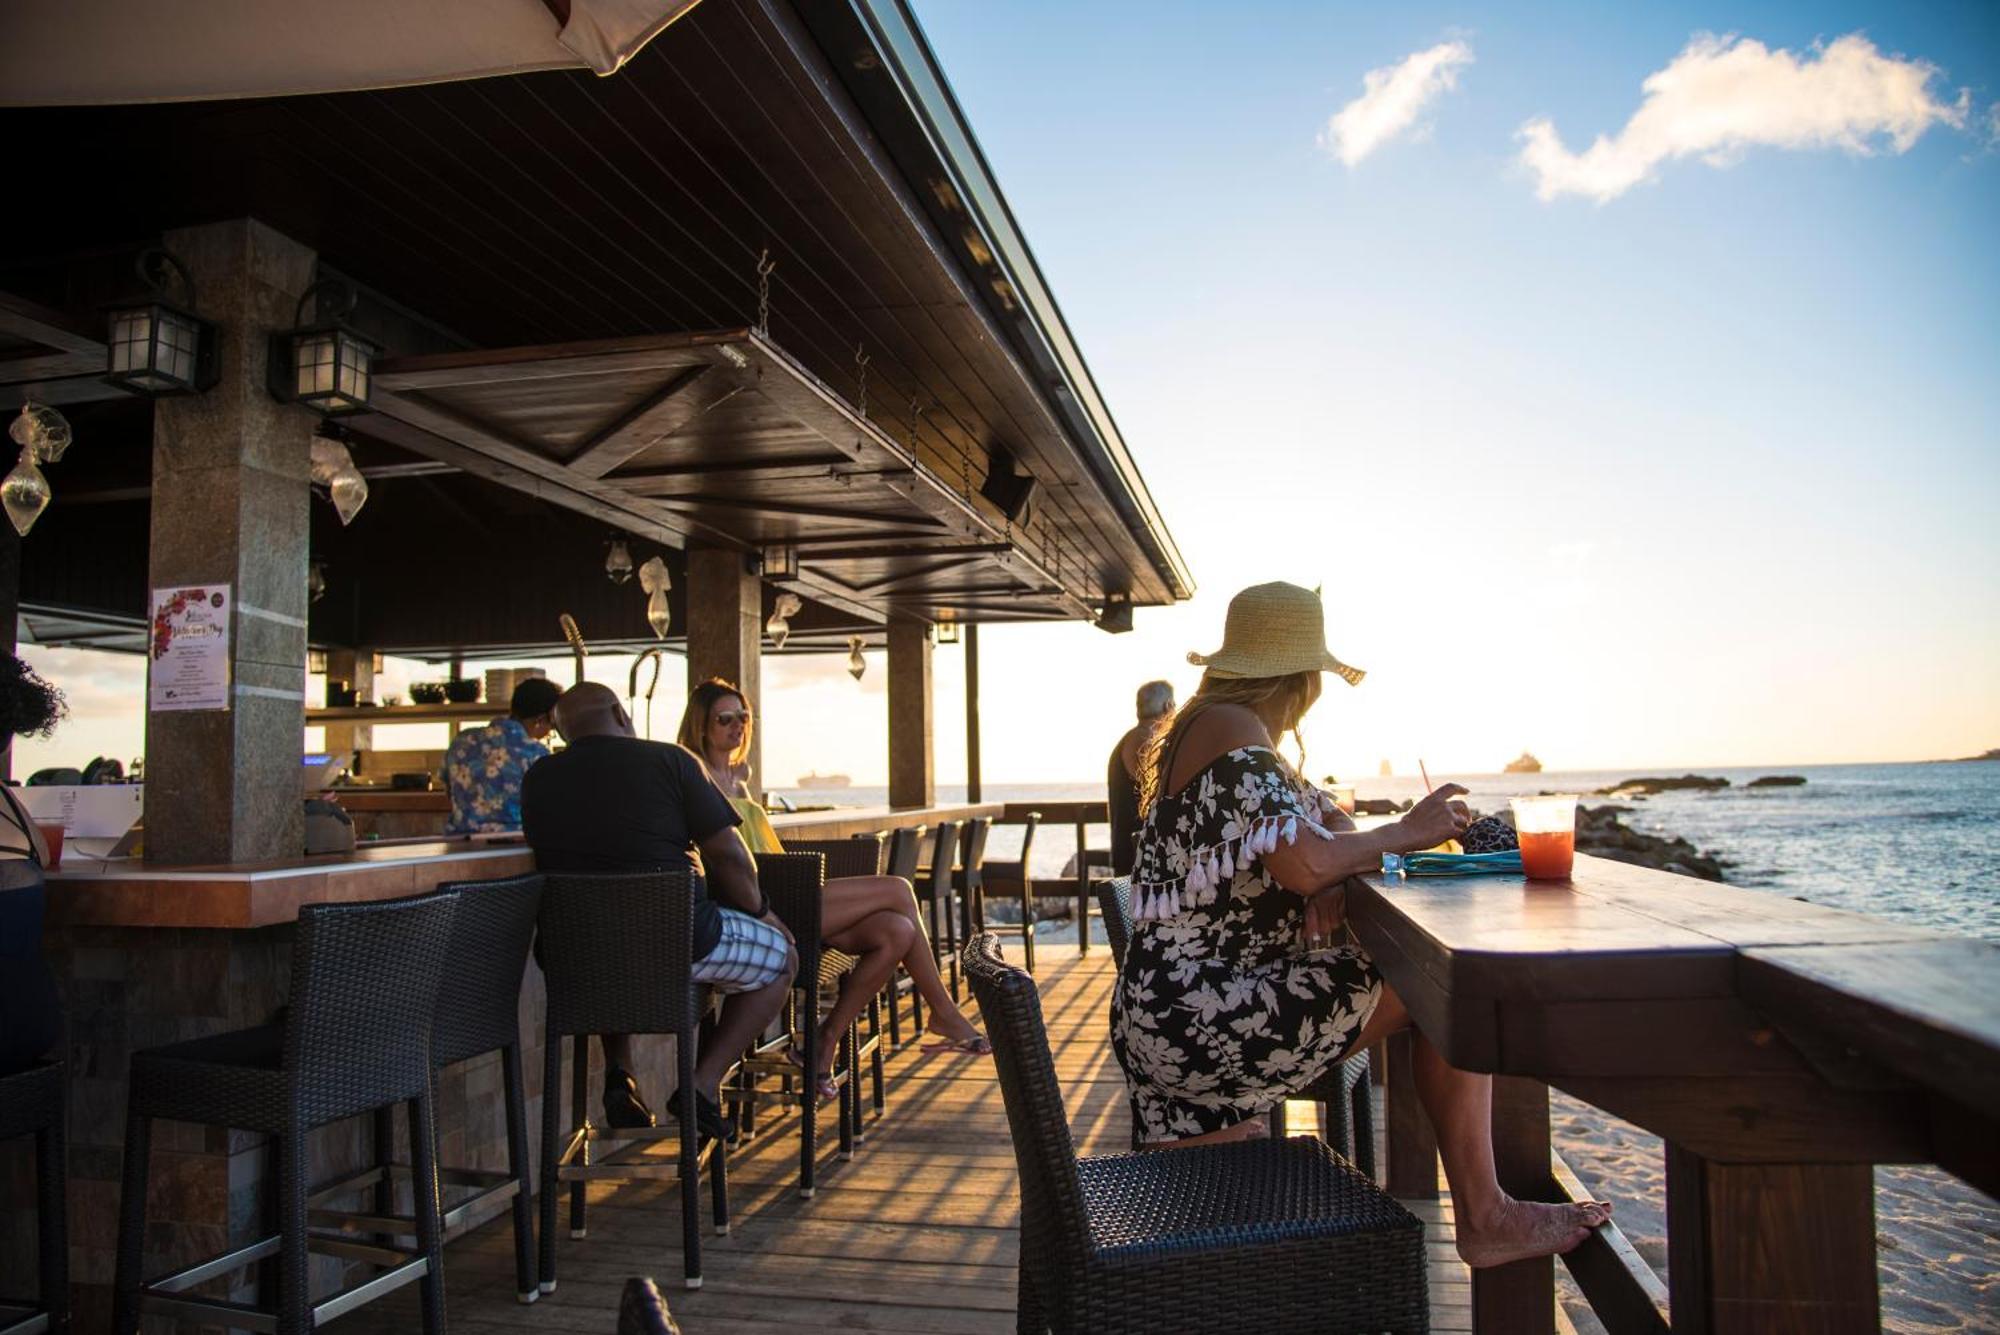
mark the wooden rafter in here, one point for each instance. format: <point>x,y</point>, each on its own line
<point>921,572</point>
<point>669,408</point>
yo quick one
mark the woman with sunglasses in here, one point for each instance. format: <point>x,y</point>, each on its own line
<point>873,918</point>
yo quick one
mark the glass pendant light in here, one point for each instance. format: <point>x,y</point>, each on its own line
<point>25,493</point>
<point>856,664</point>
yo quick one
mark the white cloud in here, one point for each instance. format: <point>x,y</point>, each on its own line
<point>1391,100</point>
<point>1724,95</point>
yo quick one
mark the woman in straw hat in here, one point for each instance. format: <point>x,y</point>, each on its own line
<point>1233,995</point>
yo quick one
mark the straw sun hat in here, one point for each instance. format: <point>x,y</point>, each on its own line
<point>1274,630</point>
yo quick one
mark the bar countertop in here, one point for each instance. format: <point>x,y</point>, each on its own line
<point>120,893</point>
<point>87,893</point>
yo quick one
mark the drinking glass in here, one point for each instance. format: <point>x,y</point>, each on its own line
<point>52,837</point>
<point>1547,829</point>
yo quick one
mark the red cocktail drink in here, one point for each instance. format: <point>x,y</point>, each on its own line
<point>1547,829</point>
<point>1548,855</point>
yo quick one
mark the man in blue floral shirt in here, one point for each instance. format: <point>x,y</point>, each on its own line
<point>483,769</point>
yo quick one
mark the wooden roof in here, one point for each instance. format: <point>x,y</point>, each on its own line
<point>534,216</point>
<point>722,439</point>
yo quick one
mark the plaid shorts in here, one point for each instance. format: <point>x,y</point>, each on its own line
<point>750,954</point>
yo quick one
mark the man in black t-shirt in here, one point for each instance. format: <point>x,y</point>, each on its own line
<point>613,803</point>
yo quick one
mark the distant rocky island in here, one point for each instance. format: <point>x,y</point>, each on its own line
<point>1700,783</point>
<point>1994,754</point>
<point>1525,763</point>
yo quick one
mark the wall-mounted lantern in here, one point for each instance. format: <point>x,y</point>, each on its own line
<point>780,562</point>
<point>947,632</point>
<point>155,348</point>
<point>324,366</point>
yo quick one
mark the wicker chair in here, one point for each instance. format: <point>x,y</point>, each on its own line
<point>1114,905</point>
<point>478,1012</point>
<point>32,1103</point>
<point>793,882</point>
<point>354,1038</point>
<point>642,1310</point>
<point>1012,880</point>
<point>1253,1236</point>
<point>618,953</point>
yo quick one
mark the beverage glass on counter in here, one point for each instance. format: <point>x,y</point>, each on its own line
<point>1547,829</point>
<point>52,837</point>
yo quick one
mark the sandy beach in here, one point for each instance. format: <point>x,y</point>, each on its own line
<point>1937,1239</point>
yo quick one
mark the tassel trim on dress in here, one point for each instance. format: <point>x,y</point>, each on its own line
<point>1213,866</point>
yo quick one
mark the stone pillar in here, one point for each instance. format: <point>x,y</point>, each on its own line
<point>912,778</point>
<point>230,505</point>
<point>356,667</point>
<point>725,634</point>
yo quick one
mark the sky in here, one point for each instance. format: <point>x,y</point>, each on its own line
<point>1625,374</point>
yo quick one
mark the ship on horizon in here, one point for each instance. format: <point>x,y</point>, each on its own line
<point>1525,763</point>
<point>824,781</point>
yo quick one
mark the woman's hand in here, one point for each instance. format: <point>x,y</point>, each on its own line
<point>1326,913</point>
<point>1435,819</point>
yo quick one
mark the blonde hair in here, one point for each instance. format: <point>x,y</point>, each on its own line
<point>701,704</point>
<point>1293,694</point>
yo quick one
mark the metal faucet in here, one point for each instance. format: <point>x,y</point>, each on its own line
<point>575,638</point>
<point>632,686</point>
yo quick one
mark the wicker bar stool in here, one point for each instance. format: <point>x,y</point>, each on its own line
<point>1013,880</point>
<point>934,896</point>
<point>1114,905</point>
<point>478,1011</point>
<point>618,954</point>
<point>792,883</point>
<point>32,1103</point>
<point>361,973</point>
<point>968,880</point>
<point>905,848</point>
<point>859,856</point>
<point>1254,1236</point>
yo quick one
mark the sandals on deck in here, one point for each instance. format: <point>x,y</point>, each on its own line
<point>972,1045</point>
<point>823,1085</point>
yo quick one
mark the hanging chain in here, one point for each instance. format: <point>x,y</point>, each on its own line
<point>765,264</point>
<point>861,360</point>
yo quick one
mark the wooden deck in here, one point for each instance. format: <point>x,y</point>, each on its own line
<point>918,1233</point>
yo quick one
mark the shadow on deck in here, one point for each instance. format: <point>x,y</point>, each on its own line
<point>917,1233</point>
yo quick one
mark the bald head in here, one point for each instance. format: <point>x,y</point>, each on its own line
<point>591,709</point>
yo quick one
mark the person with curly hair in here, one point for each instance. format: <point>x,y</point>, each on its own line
<point>30,1011</point>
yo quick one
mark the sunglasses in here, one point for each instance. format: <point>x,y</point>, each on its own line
<point>730,717</point>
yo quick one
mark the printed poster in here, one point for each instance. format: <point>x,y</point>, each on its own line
<point>189,667</point>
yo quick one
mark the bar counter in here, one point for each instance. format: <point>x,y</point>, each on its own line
<point>147,955</point>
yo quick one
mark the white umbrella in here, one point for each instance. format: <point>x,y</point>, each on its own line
<point>83,52</point>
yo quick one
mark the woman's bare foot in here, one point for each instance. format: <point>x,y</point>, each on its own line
<point>956,1034</point>
<point>1517,1230</point>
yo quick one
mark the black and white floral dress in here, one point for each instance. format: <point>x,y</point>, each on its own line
<point>1220,1011</point>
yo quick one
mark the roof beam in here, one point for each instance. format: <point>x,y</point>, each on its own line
<point>72,350</point>
<point>795,508</point>
<point>665,411</point>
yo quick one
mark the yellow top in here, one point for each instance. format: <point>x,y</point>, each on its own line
<point>756,831</point>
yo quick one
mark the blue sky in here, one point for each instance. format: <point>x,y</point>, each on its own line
<point>1705,471</point>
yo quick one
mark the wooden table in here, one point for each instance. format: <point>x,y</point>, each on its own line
<point>1083,815</point>
<point>1780,1049</point>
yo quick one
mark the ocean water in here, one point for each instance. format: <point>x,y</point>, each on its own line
<point>1917,843</point>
